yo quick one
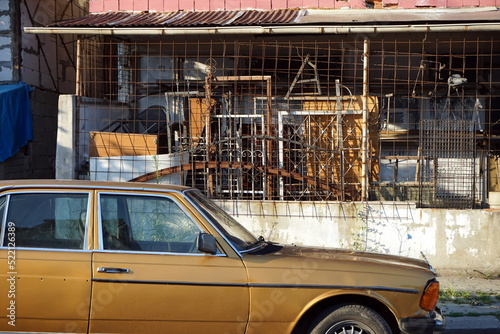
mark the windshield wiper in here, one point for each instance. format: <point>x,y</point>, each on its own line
<point>260,243</point>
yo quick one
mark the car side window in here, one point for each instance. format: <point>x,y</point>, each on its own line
<point>146,223</point>
<point>45,220</point>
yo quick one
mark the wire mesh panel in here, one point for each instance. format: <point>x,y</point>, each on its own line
<point>448,164</point>
<point>291,117</point>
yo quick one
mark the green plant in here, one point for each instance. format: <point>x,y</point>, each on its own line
<point>488,275</point>
<point>468,297</point>
<point>157,169</point>
<point>470,314</point>
<point>361,235</point>
<point>360,239</point>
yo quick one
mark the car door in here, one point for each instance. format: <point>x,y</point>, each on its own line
<point>149,277</point>
<point>45,261</point>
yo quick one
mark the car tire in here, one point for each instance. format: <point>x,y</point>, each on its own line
<point>350,318</point>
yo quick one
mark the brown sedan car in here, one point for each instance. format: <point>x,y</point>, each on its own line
<point>86,257</point>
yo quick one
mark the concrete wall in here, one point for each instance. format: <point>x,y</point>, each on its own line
<point>37,159</point>
<point>49,61</point>
<point>462,240</point>
<point>46,63</point>
<point>7,33</point>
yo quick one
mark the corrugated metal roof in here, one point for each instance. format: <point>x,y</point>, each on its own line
<point>185,18</point>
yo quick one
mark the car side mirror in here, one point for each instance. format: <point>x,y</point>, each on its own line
<point>207,244</point>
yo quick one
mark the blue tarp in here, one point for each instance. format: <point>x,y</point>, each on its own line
<point>16,125</point>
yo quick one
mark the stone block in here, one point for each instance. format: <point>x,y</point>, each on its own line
<point>6,73</point>
<point>4,5</point>
<point>5,23</point>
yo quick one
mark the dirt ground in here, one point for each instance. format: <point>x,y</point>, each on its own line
<point>469,280</point>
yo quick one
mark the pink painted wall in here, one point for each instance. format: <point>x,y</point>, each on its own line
<point>98,6</point>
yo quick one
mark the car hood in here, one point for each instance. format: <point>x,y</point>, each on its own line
<point>350,256</point>
<point>277,264</point>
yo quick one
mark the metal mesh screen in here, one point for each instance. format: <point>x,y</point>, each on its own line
<point>448,164</point>
<point>293,118</point>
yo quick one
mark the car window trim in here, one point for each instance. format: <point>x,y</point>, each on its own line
<point>42,249</point>
<point>4,221</point>
<point>188,198</point>
<point>81,187</point>
<point>136,252</point>
<point>88,192</point>
<point>135,193</point>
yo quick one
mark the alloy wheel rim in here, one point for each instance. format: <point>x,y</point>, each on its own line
<point>349,327</point>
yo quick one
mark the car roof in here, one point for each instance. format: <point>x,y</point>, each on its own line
<point>85,184</point>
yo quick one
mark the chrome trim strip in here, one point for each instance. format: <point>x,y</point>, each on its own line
<point>36,332</point>
<point>208,284</point>
<point>87,187</point>
<point>50,191</point>
<point>3,220</point>
<point>99,218</point>
<point>50,250</point>
<point>138,252</point>
<point>87,225</point>
<point>111,251</point>
<point>332,287</point>
<point>6,188</point>
<point>258,285</point>
<point>85,240</point>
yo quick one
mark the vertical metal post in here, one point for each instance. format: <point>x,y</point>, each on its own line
<point>268,187</point>
<point>281,153</point>
<point>340,139</point>
<point>365,125</point>
<point>208,132</point>
<point>78,89</point>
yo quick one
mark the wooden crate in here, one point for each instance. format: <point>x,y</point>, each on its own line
<point>112,144</point>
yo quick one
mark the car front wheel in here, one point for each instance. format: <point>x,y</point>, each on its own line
<point>350,319</point>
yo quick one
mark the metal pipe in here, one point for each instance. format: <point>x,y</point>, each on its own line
<point>340,138</point>
<point>365,124</point>
<point>78,67</point>
<point>258,30</point>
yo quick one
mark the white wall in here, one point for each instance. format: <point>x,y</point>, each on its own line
<point>449,239</point>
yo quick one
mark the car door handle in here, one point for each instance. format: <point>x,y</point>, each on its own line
<point>111,270</point>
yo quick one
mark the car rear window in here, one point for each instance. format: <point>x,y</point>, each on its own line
<point>45,220</point>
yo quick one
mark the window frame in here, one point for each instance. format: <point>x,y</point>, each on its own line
<point>99,225</point>
<point>3,218</point>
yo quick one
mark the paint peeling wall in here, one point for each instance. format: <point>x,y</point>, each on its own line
<point>98,6</point>
<point>449,239</point>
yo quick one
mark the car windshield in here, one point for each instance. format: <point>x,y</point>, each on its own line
<point>239,236</point>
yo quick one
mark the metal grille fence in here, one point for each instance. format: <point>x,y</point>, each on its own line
<point>293,118</point>
<point>448,164</point>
